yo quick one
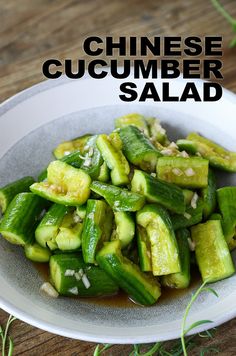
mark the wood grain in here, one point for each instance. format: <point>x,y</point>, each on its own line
<point>33,31</point>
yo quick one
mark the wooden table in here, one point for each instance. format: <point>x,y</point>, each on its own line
<point>33,31</point>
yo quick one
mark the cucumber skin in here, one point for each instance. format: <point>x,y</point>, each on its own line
<point>220,265</point>
<point>181,279</point>
<point>226,198</point>
<point>9,191</point>
<point>209,195</point>
<point>96,159</point>
<point>158,191</point>
<point>138,149</point>
<point>165,166</point>
<point>100,282</point>
<point>180,221</point>
<point>52,218</point>
<point>21,217</point>
<point>119,199</point>
<point>96,229</point>
<point>140,287</point>
<point>215,153</point>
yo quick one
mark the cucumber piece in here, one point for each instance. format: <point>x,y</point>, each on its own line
<point>209,195</point>
<point>65,185</point>
<point>68,147</point>
<point>188,196</point>
<point>115,160</point>
<point>42,175</point>
<point>119,199</point>
<point>134,120</point>
<point>215,216</point>
<point>181,279</point>
<point>74,159</point>
<point>156,132</point>
<point>125,228</point>
<point>21,217</point>
<point>218,156</point>
<point>81,211</point>
<point>138,149</point>
<point>226,198</point>
<point>97,228</point>
<point>104,173</point>
<point>190,217</point>
<point>66,271</point>
<point>141,287</point>
<point>164,248</point>
<point>9,191</point>
<point>212,253</point>
<point>185,172</point>
<point>92,158</point>
<point>187,145</point>
<point>144,249</point>
<point>70,232</point>
<point>37,253</point>
<point>47,230</point>
<point>116,140</point>
<point>157,191</point>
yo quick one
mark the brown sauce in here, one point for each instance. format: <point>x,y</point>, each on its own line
<point>121,300</point>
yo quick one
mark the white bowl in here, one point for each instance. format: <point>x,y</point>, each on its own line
<point>31,124</point>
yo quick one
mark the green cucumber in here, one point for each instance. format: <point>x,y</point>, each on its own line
<point>134,120</point>
<point>70,231</point>
<point>119,199</point>
<point>48,228</point>
<point>187,145</point>
<point>226,198</point>
<point>190,217</point>
<point>157,191</point>
<point>212,253</point>
<point>66,272</point>
<point>21,218</point>
<point>81,211</point>
<point>185,172</point>
<point>209,195</point>
<point>218,156</point>
<point>97,228</point>
<point>115,160</point>
<point>181,279</point>
<point>138,149</point>
<point>64,185</point>
<point>164,248</point>
<point>104,173</point>
<point>188,195</point>
<point>9,191</point>
<point>156,132</point>
<point>141,287</point>
<point>37,253</point>
<point>125,228</point>
<point>93,160</point>
<point>68,147</point>
<point>144,249</point>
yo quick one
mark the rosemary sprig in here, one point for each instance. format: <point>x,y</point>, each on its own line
<point>185,330</point>
<point>182,345</point>
<point>5,337</point>
<point>228,17</point>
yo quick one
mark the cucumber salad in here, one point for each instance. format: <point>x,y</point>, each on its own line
<point>128,210</point>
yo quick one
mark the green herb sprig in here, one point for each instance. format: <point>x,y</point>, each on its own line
<point>182,345</point>
<point>5,338</point>
<point>228,17</point>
